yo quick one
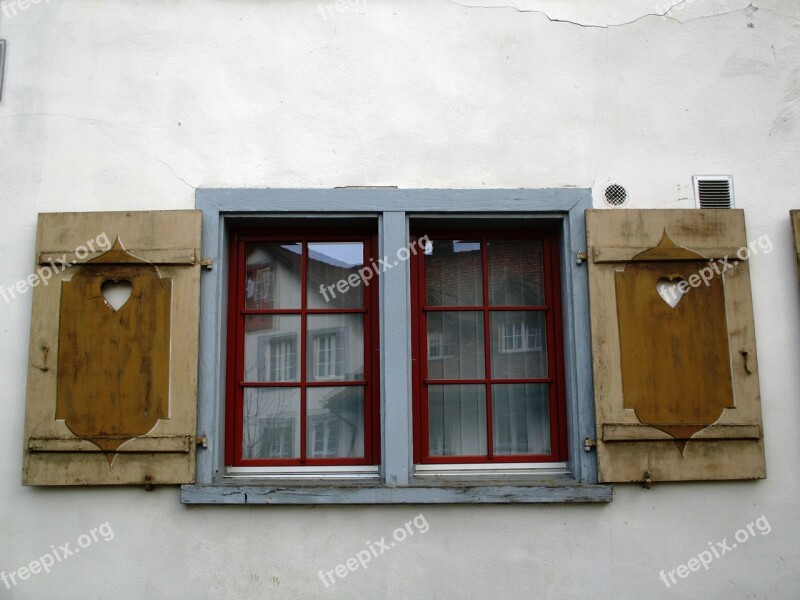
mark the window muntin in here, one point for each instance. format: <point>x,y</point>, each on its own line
<point>302,388</point>
<point>498,393</point>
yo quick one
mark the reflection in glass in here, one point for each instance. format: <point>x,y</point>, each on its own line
<point>335,347</point>
<point>516,273</point>
<point>335,417</point>
<point>521,418</point>
<point>271,423</point>
<point>457,420</point>
<point>273,276</point>
<point>454,273</point>
<point>519,347</point>
<point>461,336</point>
<point>271,347</point>
<point>330,263</point>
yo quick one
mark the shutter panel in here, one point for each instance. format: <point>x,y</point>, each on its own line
<point>795,215</point>
<point>112,375</point>
<point>675,370</point>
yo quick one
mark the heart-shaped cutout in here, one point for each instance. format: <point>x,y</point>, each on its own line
<point>671,290</point>
<point>116,293</point>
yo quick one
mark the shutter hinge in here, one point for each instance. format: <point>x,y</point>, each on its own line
<point>202,440</point>
<point>581,256</point>
<point>588,444</point>
<point>207,263</point>
<point>648,480</point>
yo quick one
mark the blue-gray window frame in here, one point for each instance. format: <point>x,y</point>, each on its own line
<point>393,208</point>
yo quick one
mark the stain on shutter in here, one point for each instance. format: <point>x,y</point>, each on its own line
<point>112,375</point>
<point>673,344</point>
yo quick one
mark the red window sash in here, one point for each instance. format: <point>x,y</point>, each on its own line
<point>235,386</point>
<point>553,335</point>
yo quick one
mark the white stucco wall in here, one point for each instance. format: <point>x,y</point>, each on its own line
<point>118,105</point>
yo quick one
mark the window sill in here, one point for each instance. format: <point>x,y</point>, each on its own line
<point>292,474</point>
<point>428,492</point>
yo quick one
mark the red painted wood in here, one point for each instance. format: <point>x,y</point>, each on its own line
<point>237,312</point>
<point>553,335</point>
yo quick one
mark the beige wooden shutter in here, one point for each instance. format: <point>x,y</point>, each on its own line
<point>675,370</point>
<point>112,373</point>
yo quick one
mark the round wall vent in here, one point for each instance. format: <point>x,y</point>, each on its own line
<point>616,194</point>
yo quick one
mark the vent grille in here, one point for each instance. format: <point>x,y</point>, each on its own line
<point>616,194</point>
<point>713,191</point>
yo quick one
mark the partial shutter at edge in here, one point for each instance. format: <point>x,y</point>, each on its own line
<point>795,217</point>
<point>675,370</point>
<point>112,388</point>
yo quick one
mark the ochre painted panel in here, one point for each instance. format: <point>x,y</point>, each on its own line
<point>113,364</point>
<point>672,342</point>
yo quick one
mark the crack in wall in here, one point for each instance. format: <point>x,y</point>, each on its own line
<point>661,15</point>
<point>176,175</point>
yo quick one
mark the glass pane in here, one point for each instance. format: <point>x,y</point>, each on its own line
<point>516,273</point>
<point>271,423</point>
<point>335,347</point>
<point>519,344</point>
<point>521,418</point>
<point>271,347</point>
<point>273,276</point>
<point>455,345</point>
<point>454,273</point>
<point>335,418</point>
<point>457,420</point>
<point>333,280</point>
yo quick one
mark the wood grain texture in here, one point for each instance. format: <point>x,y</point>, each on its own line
<point>148,444</point>
<point>113,365</point>
<point>674,360</point>
<point>275,494</point>
<point>702,371</point>
<point>160,455</point>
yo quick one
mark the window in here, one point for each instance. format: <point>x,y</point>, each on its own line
<point>329,356</point>
<point>517,335</point>
<point>325,437</point>
<point>261,285</point>
<point>317,417</point>
<point>439,346</point>
<point>497,394</point>
<point>301,377</point>
<point>277,357</point>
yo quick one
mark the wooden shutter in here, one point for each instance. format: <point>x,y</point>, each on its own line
<point>795,215</point>
<point>112,392</point>
<point>676,387</point>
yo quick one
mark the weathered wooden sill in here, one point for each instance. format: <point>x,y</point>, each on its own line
<point>417,493</point>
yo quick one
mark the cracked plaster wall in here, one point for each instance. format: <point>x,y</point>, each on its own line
<point>121,106</point>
